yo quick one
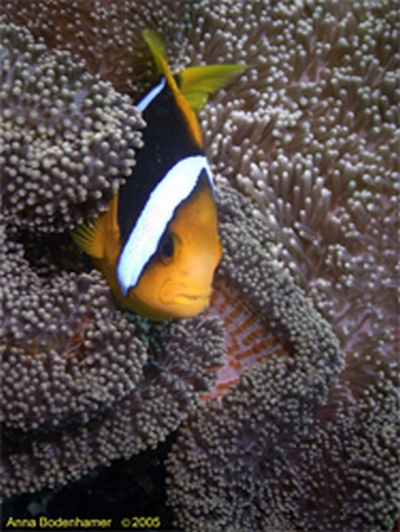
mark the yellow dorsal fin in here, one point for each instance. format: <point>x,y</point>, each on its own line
<point>92,237</point>
<point>158,51</point>
<point>198,82</point>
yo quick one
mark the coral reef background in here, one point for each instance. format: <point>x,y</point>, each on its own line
<point>310,134</point>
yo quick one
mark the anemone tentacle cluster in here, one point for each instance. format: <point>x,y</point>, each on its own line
<point>259,418</point>
<point>82,384</point>
<point>107,35</point>
<point>69,138</point>
<point>312,137</point>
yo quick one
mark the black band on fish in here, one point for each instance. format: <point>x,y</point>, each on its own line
<point>150,96</point>
<point>167,141</point>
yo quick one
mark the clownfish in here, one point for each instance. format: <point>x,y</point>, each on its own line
<point>158,244</point>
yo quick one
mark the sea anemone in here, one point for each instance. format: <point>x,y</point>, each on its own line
<point>312,138</point>
<point>229,446</point>
<point>69,138</point>
<point>82,384</point>
<point>107,34</point>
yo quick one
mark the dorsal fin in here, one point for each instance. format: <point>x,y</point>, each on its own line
<point>158,51</point>
<point>198,82</point>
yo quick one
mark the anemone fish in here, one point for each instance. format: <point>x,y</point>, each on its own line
<point>158,244</point>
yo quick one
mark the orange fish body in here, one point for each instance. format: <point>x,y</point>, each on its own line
<point>158,244</point>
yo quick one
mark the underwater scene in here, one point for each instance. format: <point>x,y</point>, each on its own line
<point>200,265</point>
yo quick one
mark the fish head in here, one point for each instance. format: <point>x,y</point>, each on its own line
<point>177,282</point>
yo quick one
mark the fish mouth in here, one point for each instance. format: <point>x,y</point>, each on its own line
<point>182,295</point>
<point>192,298</point>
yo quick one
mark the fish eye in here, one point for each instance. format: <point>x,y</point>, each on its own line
<point>166,249</point>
